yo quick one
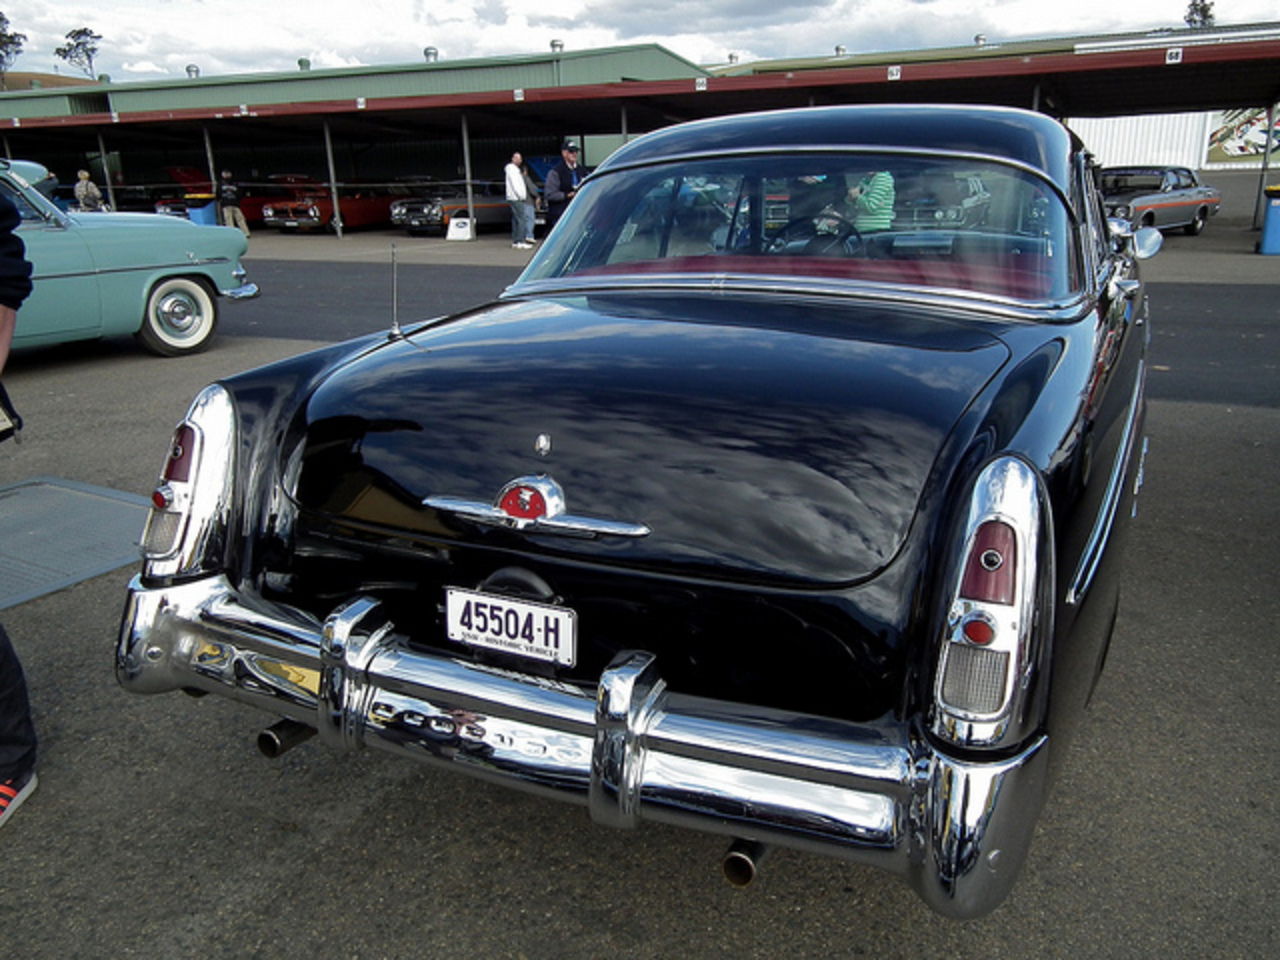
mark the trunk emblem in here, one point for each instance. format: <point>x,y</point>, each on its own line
<point>523,503</point>
<point>534,504</point>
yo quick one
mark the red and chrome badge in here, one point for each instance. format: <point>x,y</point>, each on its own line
<point>536,505</point>
<point>523,502</point>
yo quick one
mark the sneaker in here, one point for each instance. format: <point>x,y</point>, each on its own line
<point>522,246</point>
<point>13,792</point>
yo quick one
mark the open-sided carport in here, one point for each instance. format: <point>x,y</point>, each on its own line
<point>627,90</point>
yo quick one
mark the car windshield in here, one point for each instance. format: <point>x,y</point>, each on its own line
<point>946,222</point>
<point>1143,180</point>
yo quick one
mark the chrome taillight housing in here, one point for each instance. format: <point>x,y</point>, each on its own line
<point>989,645</point>
<point>186,531</point>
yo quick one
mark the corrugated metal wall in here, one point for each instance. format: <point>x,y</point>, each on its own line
<point>1178,139</point>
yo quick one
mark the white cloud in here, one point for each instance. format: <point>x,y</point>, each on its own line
<point>248,36</point>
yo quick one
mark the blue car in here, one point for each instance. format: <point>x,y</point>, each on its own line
<point>107,274</point>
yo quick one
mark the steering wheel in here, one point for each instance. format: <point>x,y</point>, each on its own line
<point>829,232</point>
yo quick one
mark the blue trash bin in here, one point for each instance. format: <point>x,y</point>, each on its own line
<point>1271,222</point>
<point>201,209</point>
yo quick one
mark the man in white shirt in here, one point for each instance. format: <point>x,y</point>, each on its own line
<point>521,205</point>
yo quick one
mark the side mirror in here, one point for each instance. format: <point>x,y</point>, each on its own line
<point>1144,243</point>
<point>1147,242</point>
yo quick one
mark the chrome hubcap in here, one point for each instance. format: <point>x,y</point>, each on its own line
<point>178,313</point>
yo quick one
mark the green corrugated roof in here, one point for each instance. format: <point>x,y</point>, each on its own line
<point>443,77</point>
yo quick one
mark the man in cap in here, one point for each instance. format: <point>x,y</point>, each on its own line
<point>562,182</point>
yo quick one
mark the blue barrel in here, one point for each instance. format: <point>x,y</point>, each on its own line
<point>201,209</point>
<point>1271,222</point>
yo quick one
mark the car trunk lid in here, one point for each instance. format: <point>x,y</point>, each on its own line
<point>770,440</point>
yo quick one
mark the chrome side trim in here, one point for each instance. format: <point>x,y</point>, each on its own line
<point>877,793</point>
<point>1100,535</point>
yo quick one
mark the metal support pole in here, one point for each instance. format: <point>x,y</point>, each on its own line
<point>213,174</point>
<point>625,135</point>
<point>466,172</point>
<point>106,173</point>
<point>1259,203</point>
<point>333,181</point>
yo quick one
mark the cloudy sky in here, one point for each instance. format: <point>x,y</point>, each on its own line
<point>154,39</point>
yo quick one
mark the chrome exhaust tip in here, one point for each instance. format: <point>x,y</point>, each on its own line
<point>283,736</point>
<point>742,862</point>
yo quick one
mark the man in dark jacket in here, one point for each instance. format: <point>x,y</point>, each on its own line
<point>17,733</point>
<point>562,182</point>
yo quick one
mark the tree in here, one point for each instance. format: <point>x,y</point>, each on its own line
<point>10,48</point>
<point>1199,13</point>
<point>80,49</point>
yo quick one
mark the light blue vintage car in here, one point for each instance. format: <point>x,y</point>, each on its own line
<point>106,274</point>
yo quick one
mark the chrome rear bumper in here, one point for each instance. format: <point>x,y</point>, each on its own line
<point>878,794</point>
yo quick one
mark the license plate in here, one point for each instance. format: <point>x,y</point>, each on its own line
<point>538,631</point>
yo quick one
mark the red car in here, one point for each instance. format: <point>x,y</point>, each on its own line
<point>277,189</point>
<point>312,208</point>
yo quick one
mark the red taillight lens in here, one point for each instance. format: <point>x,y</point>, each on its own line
<point>162,497</point>
<point>978,630</point>
<point>991,568</point>
<point>178,466</point>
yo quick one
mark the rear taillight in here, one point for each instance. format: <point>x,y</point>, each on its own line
<point>990,569</point>
<point>191,499</point>
<point>986,643</point>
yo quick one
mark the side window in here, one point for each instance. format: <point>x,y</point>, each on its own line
<point>25,208</point>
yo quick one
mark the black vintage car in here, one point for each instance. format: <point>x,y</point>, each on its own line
<point>726,514</point>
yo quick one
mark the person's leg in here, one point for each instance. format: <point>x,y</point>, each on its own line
<point>517,228</point>
<point>529,218</point>
<point>17,733</point>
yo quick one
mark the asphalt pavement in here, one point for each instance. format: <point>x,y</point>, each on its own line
<point>159,831</point>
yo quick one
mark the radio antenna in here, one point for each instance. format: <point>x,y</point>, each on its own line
<point>395,297</point>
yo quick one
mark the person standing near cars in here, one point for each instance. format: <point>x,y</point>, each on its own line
<point>229,197</point>
<point>521,203</point>
<point>872,199</point>
<point>88,196</point>
<point>17,733</point>
<point>562,182</point>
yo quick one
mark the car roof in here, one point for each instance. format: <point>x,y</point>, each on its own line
<point>28,170</point>
<point>1020,136</point>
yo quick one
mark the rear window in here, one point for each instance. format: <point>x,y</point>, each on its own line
<point>951,223</point>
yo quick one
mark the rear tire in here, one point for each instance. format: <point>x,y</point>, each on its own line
<point>181,317</point>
